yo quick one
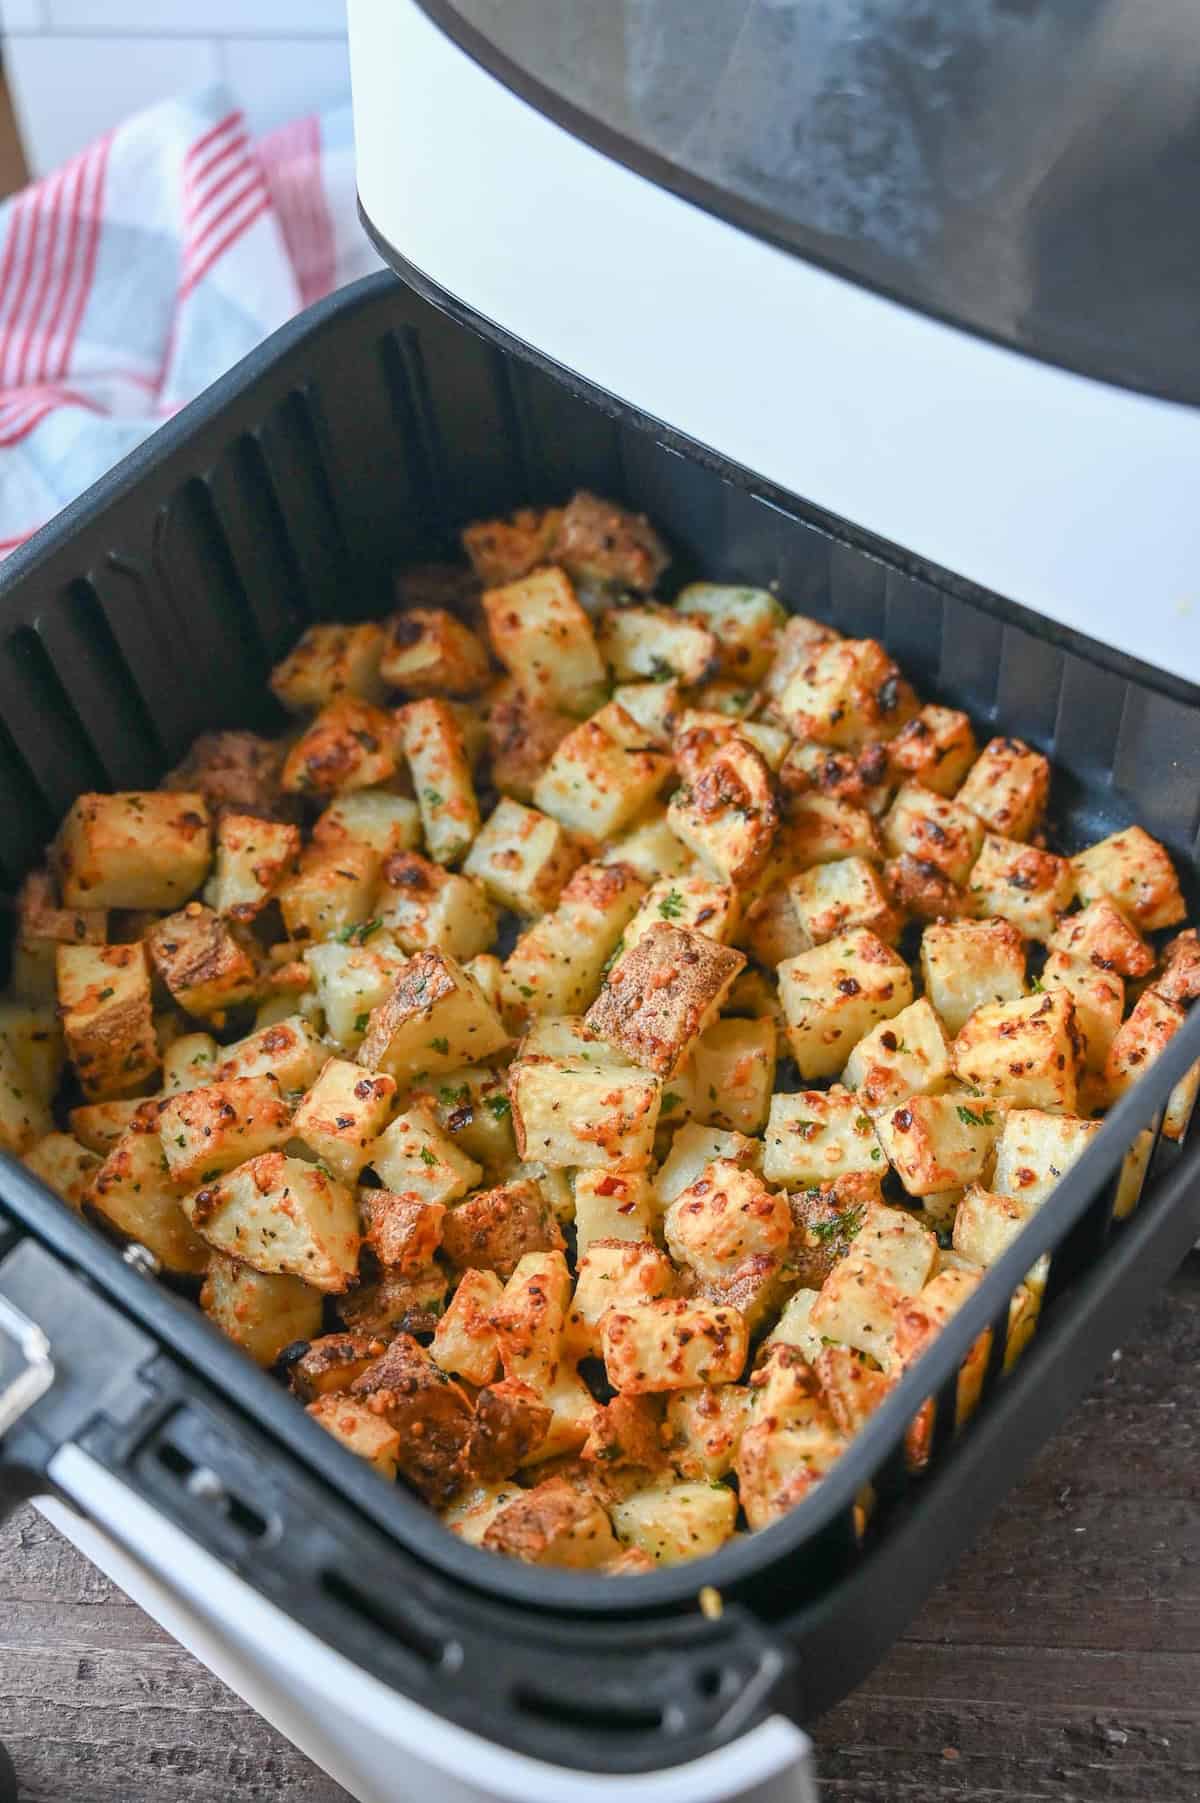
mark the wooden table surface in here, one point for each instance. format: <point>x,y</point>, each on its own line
<point>1060,1661</point>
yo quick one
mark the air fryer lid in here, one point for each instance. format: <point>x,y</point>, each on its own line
<point>1020,168</point>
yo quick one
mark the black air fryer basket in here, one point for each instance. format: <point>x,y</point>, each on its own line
<point>361,437</point>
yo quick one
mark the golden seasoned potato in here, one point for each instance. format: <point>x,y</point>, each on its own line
<point>428,652</point>
<point>672,1345</point>
<point>815,1136</point>
<point>544,639</point>
<point>327,661</point>
<point>1027,1052</point>
<point>522,858</point>
<point>464,1341</point>
<point>1008,788</point>
<point>614,1273</point>
<point>104,1001</point>
<point>613,1205</point>
<point>433,1018</point>
<point>494,1229</point>
<point>1099,998</point>
<point>731,1074</point>
<point>574,1112</point>
<point>426,908</point>
<point>725,809</point>
<point>1102,935</point>
<point>965,963</point>
<point>695,903</point>
<point>208,1130</point>
<point>1036,1150</point>
<point>360,1430</point>
<point>432,741</point>
<point>938,1143</point>
<point>253,857</point>
<point>503,550</point>
<point>936,749</point>
<point>609,547</point>
<point>204,962</point>
<point>523,733</point>
<point>281,1214</point>
<point>41,927</point>
<point>133,1192</point>
<point>1153,1022</point>
<point>553,1524</point>
<point>341,1117</point>
<point>746,623</point>
<point>661,994</point>
<point>557,964</point>
<point>675,1522</point>
<point>144,849</point>
<point>601,775</point>
<point>1134,871</point>
<point>287,1049</point>
<point>726,1216</point>
<point>905,1056</point>
<point>838,896</point>
<point>846,693</point>
<point>833,995</point>
<point>652,641</point>
<point>63,1164</point>
<point>376,818</point>
<point>350,745</point>
<point>331,892</point>
<point>431,1414</point>
<point>1021,884</point>
<point>261,1312</point>
<point>927,826</point>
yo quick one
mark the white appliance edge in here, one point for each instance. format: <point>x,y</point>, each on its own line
<point>376,1743</point>
<point>1072,497</point>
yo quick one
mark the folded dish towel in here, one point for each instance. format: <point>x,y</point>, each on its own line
<point>130,279</point>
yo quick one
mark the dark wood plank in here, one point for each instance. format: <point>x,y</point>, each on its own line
<point>1059,1663</point>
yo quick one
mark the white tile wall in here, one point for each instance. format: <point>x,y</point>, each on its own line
<point>77,67</point>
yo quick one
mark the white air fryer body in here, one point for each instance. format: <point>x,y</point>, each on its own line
<point>1071,496</point>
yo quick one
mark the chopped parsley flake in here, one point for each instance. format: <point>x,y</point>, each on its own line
<point>671,1100</point>
<point>427,1156</point>
<point>441,1045</point>
<point>499,1106</point>
<point>358,934</point>
<point>433,798</point>
<point>671,905</point>
<point>360,1021</point>
<point>968,1117</point>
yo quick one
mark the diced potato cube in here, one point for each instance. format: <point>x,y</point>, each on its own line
<point>62,1164</point>
<point>1027,1051</point>
<point>35,1038</point>
<point>677,1522</point>
<point>794,1328</point>
<point>923,890</point>
<point>1101,934</point>
<point>1036,1150</point>
<point>342,1116</point>
<point>725,1217</point>
<point>725,809</point>
<point>1152,1024</point>
<point>488,972</point>
<point>208,1130</point>
<point>429,652</point>
<point>531,1316</point>
<point>281,1214</point>
<point>602,775</point>
<point>853,1387</point>
<point>704,1428</point>
<point>1099,998</point>
<point>938,1142</point>
<point>933,829</point>
<point>434,1018</point>
<point>253,857</point>
<point>522,858</point>
<point>815,1136</point>
<point>567,1112</point>
<point>202,960</point>
<point>936,748</point>
<point>825,1222</point>
<point>360,1430</point>
<point>415,1158</point>
<point>966,963</point>
<point>134,1193</point>
<point>147,849</point>
<point>608,547</point>
<point>1134,871</point>
<point>472,1109</point>
<point>403,1231</point>
<point>846,693</point>
<point>695,902</point>
<point>613,1205</point>
<point>523,733</point>
<point>464,1341</point>
<point>432,741</point>
<point>891,1258</point>
<point>330,1363</point>
<point>289,1050</point>
<point>986,1223</point>
<point>431,1413</point>
<point>556,965</point>
<point>327,661</point>
<point>351,980</point>
<point>376,818</point>
<point>906,1056</point>
<point>1008,788</point>
<point>615,1273</point>
<point>42,926</point>
<point>821,829</point>
<point>262,1313</point>
<point>98,1125</point>
<point>1179,978</point>
<point>797,640</point>
<point>508,1429</point>
<point>661,994</point>
<point>746,623</point>
<point>350,745</point>
<point>858,778</point>
<point>838,896</point>
<point>553,1524</point>
<point>833,995</point>
<point>692,1148</point>
<point>655,706</point>
<point>719,719</point>
<point>495,1229</point>
<point>503,550</point>
<point>425,907</point>
<point>778,1464</point>
<point>672,1345</point>
<point>331,892</point>
<point>649,640</point>
<point>650,848</point>
<point>1021,884</point>
<point>732,1072</point>
<point>542,635</point>
<point>104,1000</point>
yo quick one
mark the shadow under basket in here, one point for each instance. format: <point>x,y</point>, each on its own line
<point>359,438</point>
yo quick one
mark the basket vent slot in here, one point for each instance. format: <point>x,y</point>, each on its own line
<point>599,1717</point>
<point>431,1649</point>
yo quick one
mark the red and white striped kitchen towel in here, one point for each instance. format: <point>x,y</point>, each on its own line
<point>130,279</point>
